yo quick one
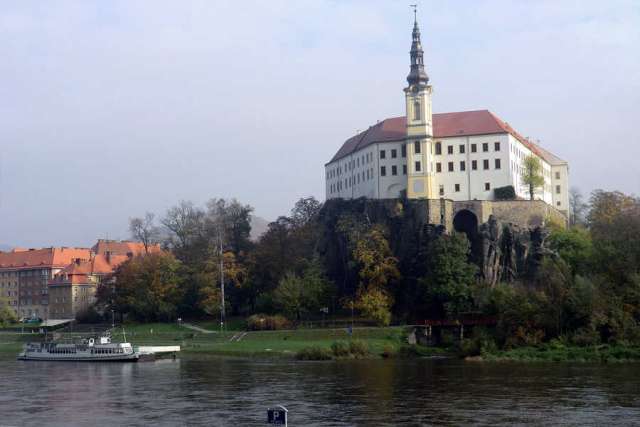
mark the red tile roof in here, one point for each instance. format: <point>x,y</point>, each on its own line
<point>549,157</point>
<point>42,258</point>
<point>464,123</point>
<point>80,269</point>
<point>122,247</point>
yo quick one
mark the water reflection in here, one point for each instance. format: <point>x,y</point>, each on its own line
<point>213,391</point>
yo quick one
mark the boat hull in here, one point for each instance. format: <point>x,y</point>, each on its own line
<point>52,358</point>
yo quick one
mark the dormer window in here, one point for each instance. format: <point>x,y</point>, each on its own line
<point>416,111</point>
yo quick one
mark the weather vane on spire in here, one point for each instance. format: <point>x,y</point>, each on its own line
<point>415,11</point>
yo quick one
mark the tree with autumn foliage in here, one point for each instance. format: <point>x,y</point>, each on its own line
<point>378,269</point>
<point>209,280</point>
<point>147,287</point>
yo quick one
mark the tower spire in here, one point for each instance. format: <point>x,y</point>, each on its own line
<point>417,75</point>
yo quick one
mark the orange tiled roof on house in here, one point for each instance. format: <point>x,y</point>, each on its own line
<point>122,247</point>
<point>80,270</point>
<point>47,257</point>
<point>463,123</point>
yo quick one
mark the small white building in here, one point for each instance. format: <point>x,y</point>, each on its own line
<point>458,156</point>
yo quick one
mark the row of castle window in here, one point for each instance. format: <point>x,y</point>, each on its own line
<point>456,188</point>
<point>368,157</point>
<point>418,167</point>
<point>394,151</point>
<point>417,149</point>
<point>365,159</point>
<point>463,165</point>
<point>462,148</point>
<point>518,153</point>
<point>394,170</point>
<point>351,181</point>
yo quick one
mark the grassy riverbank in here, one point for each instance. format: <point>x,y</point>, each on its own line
<point>329,343</point>
<point>553,352</point>
<point>236,343</point>
<point>262,343</point>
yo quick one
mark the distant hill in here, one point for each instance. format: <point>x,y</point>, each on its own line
<point>258,227</point>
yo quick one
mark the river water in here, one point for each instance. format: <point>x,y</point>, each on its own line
<point>200,390</point>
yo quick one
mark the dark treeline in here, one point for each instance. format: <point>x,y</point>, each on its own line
<point>338,256</point>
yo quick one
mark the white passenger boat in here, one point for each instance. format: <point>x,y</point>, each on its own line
<point>94,350</point>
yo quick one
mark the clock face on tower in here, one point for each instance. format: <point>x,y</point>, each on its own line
<point>415,89</point>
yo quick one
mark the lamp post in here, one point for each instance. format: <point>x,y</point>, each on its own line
<point>222,308</point>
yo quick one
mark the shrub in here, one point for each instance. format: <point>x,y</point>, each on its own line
<point>504,193</point>
<point>314,353</point>
<point>90,315</point>
<point>358,348</point>
<point>389,352</point>
<point>469,347</point>
<point>261,322</point>
<point>340,349</point>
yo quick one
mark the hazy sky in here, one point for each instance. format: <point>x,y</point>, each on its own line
<point>112,108</point>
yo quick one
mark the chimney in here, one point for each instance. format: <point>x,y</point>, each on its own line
<point>107,255</point>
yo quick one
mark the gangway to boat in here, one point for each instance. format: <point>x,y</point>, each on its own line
<point>157,349</point>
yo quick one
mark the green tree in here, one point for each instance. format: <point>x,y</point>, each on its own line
<point>7,315</point>
<point>300,295</point>
<point>146,287</point>
<point>305,211</point>
<point>518,314</point>
<point>531,175</point>
<point>449,275</point>
<point>554,280</point>
<point>614,223</point>
<point>574,246</point>
<point>233,220</point>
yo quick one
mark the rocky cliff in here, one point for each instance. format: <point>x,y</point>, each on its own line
<point>504,252</point>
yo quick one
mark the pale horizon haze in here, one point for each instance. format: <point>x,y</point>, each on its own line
<point>109,109</point>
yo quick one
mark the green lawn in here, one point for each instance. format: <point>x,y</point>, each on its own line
<point>553,352</point>
<point>256,343</point>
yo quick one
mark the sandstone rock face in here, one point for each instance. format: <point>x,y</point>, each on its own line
<point>506,252</point>
<point>503,251</point>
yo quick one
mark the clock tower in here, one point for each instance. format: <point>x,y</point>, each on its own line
<point>419,124</point>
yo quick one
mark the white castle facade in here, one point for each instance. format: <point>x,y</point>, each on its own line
<point>458,156</point>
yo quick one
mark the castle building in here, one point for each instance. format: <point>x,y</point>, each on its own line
<point>458,156</point>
